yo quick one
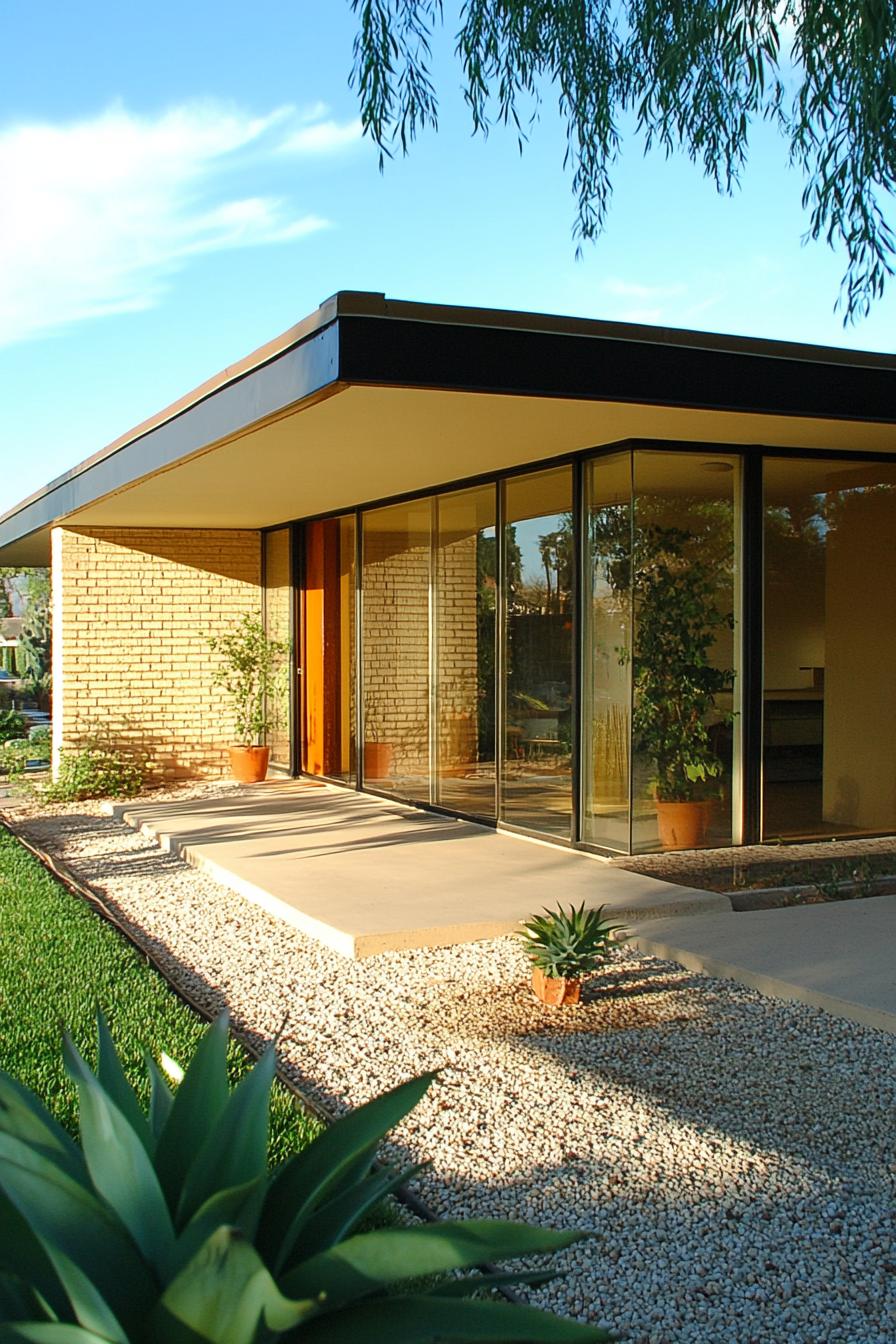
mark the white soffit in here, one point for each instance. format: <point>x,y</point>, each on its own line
<point>367,443</point>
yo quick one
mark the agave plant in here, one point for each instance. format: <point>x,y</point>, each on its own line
<point>568,945</point>
<point>168,1227</point>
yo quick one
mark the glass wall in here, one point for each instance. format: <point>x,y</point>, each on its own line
<point>685,566</point>
<point>328,648</point>
<point>465,603</point>
<point>469,648</point>
<point>830,648</point>
<point>277,606</point>
<point>606,653</point>
<point>397,557</point>
<point>536,790</point>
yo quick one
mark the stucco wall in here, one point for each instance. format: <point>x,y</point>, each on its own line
<point>132,611</point>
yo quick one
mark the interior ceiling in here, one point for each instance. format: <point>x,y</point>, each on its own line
<point>367,443</point>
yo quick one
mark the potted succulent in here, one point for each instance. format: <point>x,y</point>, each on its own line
<point>677,621</point>
<point>248,673</point>
<point>565,946</point>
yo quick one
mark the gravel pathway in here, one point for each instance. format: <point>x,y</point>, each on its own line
<point>733,1155</point>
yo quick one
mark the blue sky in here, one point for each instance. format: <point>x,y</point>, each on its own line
<point>184,181</point>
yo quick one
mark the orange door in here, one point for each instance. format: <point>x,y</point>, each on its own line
<point>321,650</point>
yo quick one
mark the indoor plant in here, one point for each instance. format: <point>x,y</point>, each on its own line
<point>169,1228</point>
<point>247,672</point>
<point>563,948</point>
<point>677,621</point>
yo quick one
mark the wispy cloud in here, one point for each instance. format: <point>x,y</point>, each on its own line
<point>673,305</point>
<point>98,215</point>
<point>323,137</point>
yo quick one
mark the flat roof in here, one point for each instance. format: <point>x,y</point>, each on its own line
<point>359,338</point>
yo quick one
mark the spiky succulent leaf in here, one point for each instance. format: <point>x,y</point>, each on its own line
<point>88,1305</point>
<point>338,1218</point>
<point>223,1296</point>
<point>48,1332</point>
<point>24,1116</point>
<point>372,1261</point>
<point>113,1080</point>
<point>120,1167</point>
<point>161,1098</point>
<point>200,1098</point>
<point>24,1260</point>
<point>569,944</point>
<point>236,1149</point>
<point>238,1207</point>
<point>66,1216</point>
<point>422,1320</point>
<point>336,1157</point>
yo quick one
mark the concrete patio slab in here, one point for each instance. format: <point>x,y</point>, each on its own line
<point>364,875</point>
<point>837,956</point>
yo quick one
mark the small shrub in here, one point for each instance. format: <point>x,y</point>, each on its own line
<point>567,945</point>
<point>12,724</point>
<point>39,736</point>
<point>94,772</point>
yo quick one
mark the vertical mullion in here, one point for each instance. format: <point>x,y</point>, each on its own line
<point>752,648</point>
<point>296,657</point>
<point>500,660</point>
<point>632,635</point>
<point>433,661</point>
<point>576,673</point>
<point>359,652</point>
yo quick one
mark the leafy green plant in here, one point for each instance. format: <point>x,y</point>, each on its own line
<point>12,724</point>
<point>14,756</point>
<point>94,772</point>
<point>250,673</point>
<point>568,945</point>
<point>168,1228</point>
<point>677,620</point>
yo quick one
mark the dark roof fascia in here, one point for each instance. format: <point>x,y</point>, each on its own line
<point>367,339</point>
<point>232,402</point>
<point>607,362</point>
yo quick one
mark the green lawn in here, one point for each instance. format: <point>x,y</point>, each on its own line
<point>58,960</point>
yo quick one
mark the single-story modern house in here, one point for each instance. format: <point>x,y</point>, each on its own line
<point>614,586</point>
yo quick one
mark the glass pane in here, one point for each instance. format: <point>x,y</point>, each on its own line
<point>465,593</point>
<point>684,652</point>
<point>538,551</point>
<point>606,681</point>
<point>277,601</point>
<point>830,648</point>
<point>396,583</point>
<point>328,648</point>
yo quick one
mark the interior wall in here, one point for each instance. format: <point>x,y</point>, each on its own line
<point>860,666</point>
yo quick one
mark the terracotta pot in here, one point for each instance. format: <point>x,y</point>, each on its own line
<point>377,759</point>
<point>683,825</point>
<point>249,764</point>
<point>559,993</point>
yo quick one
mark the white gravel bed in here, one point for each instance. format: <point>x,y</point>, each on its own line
<point>733,1155</point>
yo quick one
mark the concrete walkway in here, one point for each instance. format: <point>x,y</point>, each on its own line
<point>839,956</point>
<point>364,875</point>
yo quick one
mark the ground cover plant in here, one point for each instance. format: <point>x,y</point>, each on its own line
<point>94,772</point>
<point>58,960</point>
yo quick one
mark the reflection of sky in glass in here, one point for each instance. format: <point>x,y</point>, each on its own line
<point>529,533</point>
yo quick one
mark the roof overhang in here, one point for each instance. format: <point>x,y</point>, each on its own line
<point>369,398</point>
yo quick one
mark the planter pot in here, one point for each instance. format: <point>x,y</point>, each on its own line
<point>377,759</point>
<point>249,765</point>
<point>559,993</point>
<point>683,825</point>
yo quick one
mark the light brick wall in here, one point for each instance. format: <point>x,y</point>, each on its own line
<point>132,611</point>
